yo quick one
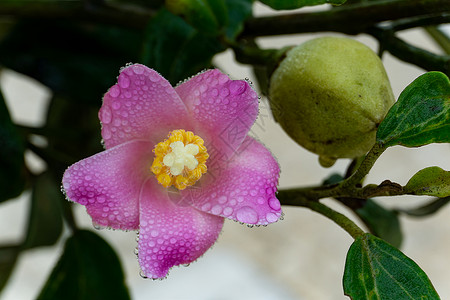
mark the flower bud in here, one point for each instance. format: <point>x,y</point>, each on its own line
<point>329,95</point>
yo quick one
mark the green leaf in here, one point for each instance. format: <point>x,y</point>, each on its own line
<point>427,209</point>
<point>421,115</point>
<point>70,58</point>
<point>8,258</point>
<point>176,49</point>
<point>381,222</point>
<point>293,4</point>
<point>432,181</point>
<point>376,270</point>
<point>69,134</point>
<point>238,12</point>
<point>207,16</point>
<point>45,221</point>
<point>88,269</point>
<point>12,165</point>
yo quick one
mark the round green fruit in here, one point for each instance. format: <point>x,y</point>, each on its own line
<point>329,95</point>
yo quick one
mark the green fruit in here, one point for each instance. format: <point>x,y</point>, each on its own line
<point>329,95</point>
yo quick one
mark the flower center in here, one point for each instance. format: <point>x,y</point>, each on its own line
<point>180,159</point>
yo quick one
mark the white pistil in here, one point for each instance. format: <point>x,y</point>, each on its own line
<point>181,156</point>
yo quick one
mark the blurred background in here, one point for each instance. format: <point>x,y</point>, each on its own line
<point>300,257</point>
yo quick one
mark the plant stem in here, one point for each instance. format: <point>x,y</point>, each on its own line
<point>409,53</point>
<point>340,219</point>
<point>349,19</point>
<point>363,169</point>
<point>98,11</point>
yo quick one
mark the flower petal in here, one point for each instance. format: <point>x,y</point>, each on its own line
<point>141,105</point>
<point>242,190</point>
<point>171,234</point>
<point>224,110</point>
<point>109,184</point>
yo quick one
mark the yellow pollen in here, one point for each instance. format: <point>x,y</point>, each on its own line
<point>180,159</point>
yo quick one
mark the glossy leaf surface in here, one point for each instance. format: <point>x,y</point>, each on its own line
<point>376,270</point>
<point>432,181</point>
<point>421,114</point>
<point>88,269</point>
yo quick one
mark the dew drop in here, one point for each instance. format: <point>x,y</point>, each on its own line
<point>97,226</point>
<point>222,199</point>
<point>141,273</point>
<point>106,115</point>
<point>217,209</point>
<point>154,233</point>
<point>114,91</point>
<point>247,215</point>
<point>224,92</point>
<point>271,217</point>
<point>124,81</point>
<point>138,69</point>
<point>227,211</point>
<point>116,105</point>
<point>274,203</point>
<point>237,87</point>
<point>154,76</point>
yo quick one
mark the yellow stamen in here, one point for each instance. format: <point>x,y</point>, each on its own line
<point>180,159</point>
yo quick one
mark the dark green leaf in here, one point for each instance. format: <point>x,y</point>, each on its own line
<point>238,12</point>
<point>45,222</point>
<point>432,181</point>
<point>8,257</point>
<point>72,129</point>
<point>381,222</point>
<point>376,270</point>
<point>88,269</point>
<point>427,209</point>
<point>176,49</point>
<point>72,59</point>
<point>421,115</point>
<point>207,16</point>
<point>333,179</point>
<point>12,166</point>
<point>293,4</point>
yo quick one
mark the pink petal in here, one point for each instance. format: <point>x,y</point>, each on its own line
<point>142,105</point>
<point>171,234</point>
<point>244,190</point>
<point>109,183</point>
<point>224,110</point>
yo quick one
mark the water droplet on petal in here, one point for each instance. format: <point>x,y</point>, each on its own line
<point>154,77</point>
<point>124,81</point>
<point>116,105</point>
<point>154,233</point>
<point>217,209</point>
<point>247,215</point>
<point>227,211</point>
<point>106,115</point>
<point>274,203</point>
<point>138,69</point>
<point>114,91</point>
<point>97,226</point>
<point>224,92</point>
<point>237,87</point>
<point>271,217</point>
<point>222,199</point>
<point>141,273</point>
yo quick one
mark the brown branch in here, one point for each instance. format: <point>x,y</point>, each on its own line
<point>349,19</point>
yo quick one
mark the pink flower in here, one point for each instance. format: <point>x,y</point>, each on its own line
<point>177,162</point>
